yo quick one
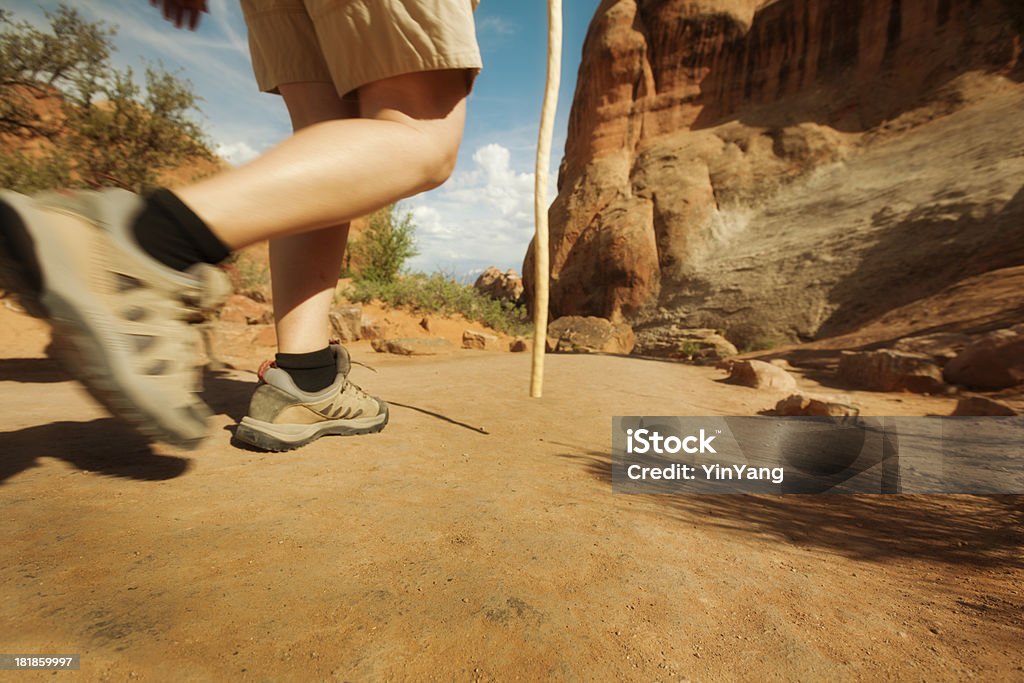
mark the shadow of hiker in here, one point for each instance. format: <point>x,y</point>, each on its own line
<point>226,395</point>
<point>32,370</point>
<point>985,531</point>
<point>105,446</point>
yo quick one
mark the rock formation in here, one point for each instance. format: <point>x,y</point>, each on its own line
<point>789,169</point>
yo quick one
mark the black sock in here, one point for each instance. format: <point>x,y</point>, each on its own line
<point>171,233</point>
<point>311,371</point>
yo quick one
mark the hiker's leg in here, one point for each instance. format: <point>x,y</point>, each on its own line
<point>304,267</point>
<point>331,172</point>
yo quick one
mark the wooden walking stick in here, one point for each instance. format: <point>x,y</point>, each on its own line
<point>540,203</point>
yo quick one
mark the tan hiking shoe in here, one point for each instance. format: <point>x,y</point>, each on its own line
<point>282,416</point>
<point>119,316</point>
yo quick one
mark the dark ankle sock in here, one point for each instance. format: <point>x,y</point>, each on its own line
<point>311,371</point>
<point>171,233</point>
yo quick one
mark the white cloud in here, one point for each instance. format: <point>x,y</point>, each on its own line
<point>496,25</point>
<point>481,217</point>
<point>236,153</point>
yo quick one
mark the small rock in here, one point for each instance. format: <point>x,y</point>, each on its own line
<point>578,334</point>
<point>994,361</point>
<point>695,344</point>
<point>241,309</point>
<point>471,339</point>
<point>761,375</point>
<point>423,346</point>
<point>816,406</point>
<point>888,370</point>
<point>371,328</point>
<point>347,323</point>
<point>519,345</point>
<point>982,406</point>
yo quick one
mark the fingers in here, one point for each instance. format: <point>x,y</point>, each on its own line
<point>182,13</point>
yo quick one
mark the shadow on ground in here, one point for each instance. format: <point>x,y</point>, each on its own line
<point>105,445</point>
<point>983,531</point>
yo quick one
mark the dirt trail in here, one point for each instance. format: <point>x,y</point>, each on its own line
<point>434,551</point>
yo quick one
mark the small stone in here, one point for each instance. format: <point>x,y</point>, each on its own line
<point>424,346</point>
<point>761,375</point>
<point>472,339</point>
<point>816,406</point>
<point>982,406</point>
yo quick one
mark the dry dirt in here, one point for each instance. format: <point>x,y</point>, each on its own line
<point>477,538</point>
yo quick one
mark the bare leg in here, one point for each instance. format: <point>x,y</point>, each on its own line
<point>333,171</point>
<point>304,267</point>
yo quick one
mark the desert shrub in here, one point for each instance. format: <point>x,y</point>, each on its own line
<point>387,243</point>
<point>442,294</point>
<point>69,118</point>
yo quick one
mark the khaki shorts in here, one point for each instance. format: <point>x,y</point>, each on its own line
<point>354,42</point>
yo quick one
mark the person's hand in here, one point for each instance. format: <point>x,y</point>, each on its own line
<point>182,12</point>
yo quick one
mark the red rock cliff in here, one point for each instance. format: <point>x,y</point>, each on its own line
<point>699,129</point>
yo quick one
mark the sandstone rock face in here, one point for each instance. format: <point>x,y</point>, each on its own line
<point>816,406</point>
<point>888,370</point>
<point>472,339</point>
<point>781,170</point>
<point>574,334</point>
<point>995,361</point>
<point>761,375</point>
<point>507,286</point>
<point>701,345</point>
<point>420,346</point>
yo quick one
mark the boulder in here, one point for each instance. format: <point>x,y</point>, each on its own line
<point>697,344</point>
<point>982,406</point>
<point>241,309</point>
<point>888,370</point>
<point>419,346</point>
<point>472,339</point>
<point>519,345</point>
<point>507,286</point>
<point>995,361</point>
<point>941,346</point>
<point>347,323</point>
<point>578,334</point>
<point>761,375</point>
<point>816,406</point>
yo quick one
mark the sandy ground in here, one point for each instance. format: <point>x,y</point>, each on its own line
<point>477,538</point>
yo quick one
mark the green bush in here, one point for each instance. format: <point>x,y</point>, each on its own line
<point>382,250</point>
<point>439,293</point>
<point>111,131</point>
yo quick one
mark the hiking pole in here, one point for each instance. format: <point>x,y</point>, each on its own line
<point>540,197</point>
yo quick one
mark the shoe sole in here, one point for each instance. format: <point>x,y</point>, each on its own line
<point>78,346</point>
<point>279,438</point>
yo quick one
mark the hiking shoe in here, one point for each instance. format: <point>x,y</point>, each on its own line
<point>282,416</point>
<point>118,315</point>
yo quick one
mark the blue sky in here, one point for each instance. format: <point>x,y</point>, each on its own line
<point>484,214</point>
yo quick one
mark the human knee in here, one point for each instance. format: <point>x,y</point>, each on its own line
<point>440,163</point>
